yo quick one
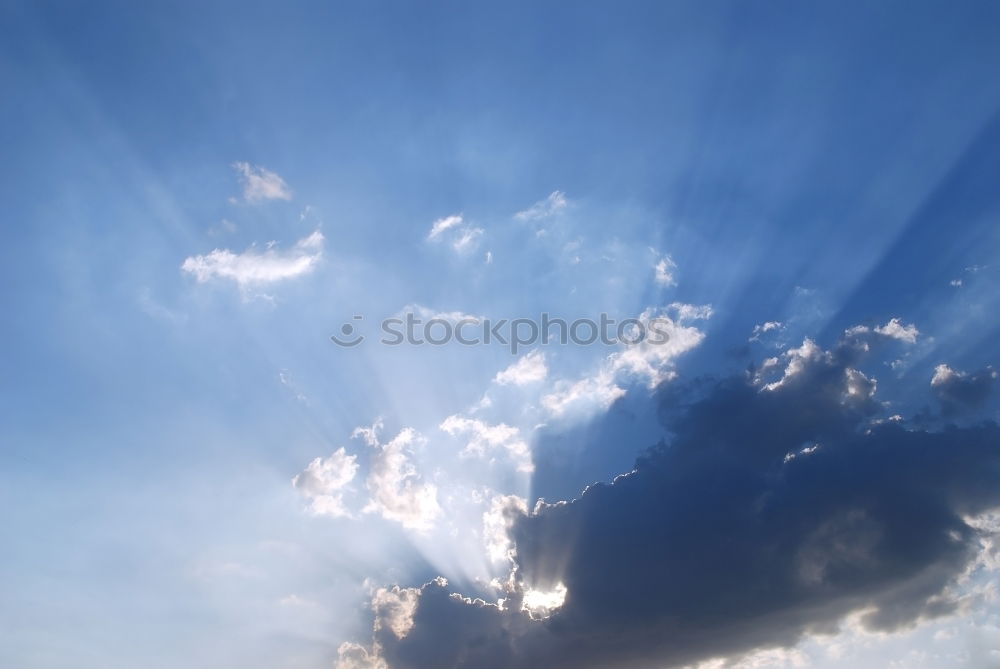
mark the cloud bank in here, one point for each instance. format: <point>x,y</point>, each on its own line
<point>780,504</point>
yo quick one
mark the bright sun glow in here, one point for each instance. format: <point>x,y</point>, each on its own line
<point>541,603</point>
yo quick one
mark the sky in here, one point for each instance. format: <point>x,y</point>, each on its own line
<point>200,199</point>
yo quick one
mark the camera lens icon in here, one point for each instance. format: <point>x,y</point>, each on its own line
<point>349,338</point>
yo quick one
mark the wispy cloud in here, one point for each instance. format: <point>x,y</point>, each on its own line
<point>261,184</point>
<point>550,206</point>
<point>761,329</point>
<point>467,240</point>
<point>484,438</point>
<point>426,314</point>
<point>462,237</point>
<point>442,224</point>
<point>254,267</point>
<point>664,271</point>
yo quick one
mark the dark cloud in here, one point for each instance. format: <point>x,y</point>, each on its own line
<point>959,392</point>
<point>777,506</point>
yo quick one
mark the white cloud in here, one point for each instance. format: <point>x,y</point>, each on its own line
<point>690,312</point>
<point>253,267</point>
<point>463,238</point>
<point>550,206</point>
<point>943,373</point>
<point>664,271</point>
<point>541,603</point>
<point>651,361</point>
<point>857,385</point>
<point>896,330</point>
<point>323,481</point>
<point>768,658</point>
<point>798,359</point>
<point>425,314</point>
<point>442,224</point>
<point>654,361</point>
<point>595,392</point>
<point>483,438</point>
<point>467,239</point>
<point>355,656</point>
<point>285,378</point>
<point>398,492</point>
<point>394,608</point>
<point>764,328</point>
<point>531,368</point>
<point>497,523</point>
<point>261,184</point>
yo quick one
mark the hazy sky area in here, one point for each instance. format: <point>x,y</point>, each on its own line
<point>802,197</point>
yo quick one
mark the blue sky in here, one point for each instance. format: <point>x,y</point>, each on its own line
<point>196,197</point>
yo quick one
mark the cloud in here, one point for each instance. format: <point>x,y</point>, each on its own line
<point>467,239</point>
<point>664,270</point>
<point>763,328</point>
<point>555,203</point>
<point>484,438</point>
<point>798,360</point>
<point>255,268</point>
<point>498,520</point>
<point>261,184</point>
<point>894,329</point>
<point>959,392</point>
<point>442,224</point>
<point>650,361</point>
<point>463,238</point>
<point>324,480</point>
<point>424,314</point>
<point>398,492</point>
<point>719,545</point>
<point>595,392</point>
<point>530,368</point>
<point>690,312</point>
<point>355,656</point>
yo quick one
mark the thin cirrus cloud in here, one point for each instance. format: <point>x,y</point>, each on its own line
<point>261,184</point>
<point>664,271</point>
<point>554,204</point>
<point>253,267</point>
<point>460,235</point>
<point>442,224</point>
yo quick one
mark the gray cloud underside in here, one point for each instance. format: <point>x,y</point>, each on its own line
<point>719,542</point>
